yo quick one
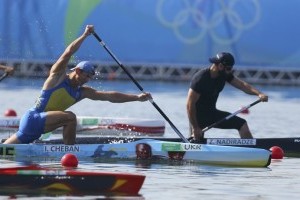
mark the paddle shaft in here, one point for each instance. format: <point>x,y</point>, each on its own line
<point>140,87</point>
<point>3,76</point>
<point>231,115</point>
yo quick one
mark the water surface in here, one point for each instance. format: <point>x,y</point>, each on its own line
<point>277,118</point>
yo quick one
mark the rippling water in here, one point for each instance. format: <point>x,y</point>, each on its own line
<point>277,118</point>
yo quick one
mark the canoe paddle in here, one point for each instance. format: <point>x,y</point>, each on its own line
<point>231,115</point>
<point>140,87</point>
<point>3,76</point>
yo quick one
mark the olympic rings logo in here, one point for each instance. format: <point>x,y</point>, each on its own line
<point>191,20</point>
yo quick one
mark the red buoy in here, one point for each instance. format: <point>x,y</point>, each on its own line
<point>10,113</point>
<point>69,160</point>
<point>277,152</point>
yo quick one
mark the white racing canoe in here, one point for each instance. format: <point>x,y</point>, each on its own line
<point>88,125</point>
<point>144,149</point>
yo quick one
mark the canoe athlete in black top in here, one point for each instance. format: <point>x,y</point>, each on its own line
<point>203,94</point>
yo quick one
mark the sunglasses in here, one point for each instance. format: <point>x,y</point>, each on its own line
<point>88,74</point>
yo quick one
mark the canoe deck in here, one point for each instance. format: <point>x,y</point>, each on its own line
<point>145,149</point>
<point>290,145</point>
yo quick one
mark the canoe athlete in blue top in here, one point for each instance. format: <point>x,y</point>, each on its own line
<point>59,92</point>
<point>204,91</point>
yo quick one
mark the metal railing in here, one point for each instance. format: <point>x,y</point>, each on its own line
<point>165,72</point>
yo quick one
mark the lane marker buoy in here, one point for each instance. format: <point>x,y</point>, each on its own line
<point>277,152</point>
<point>69,160</point>
<point>10,113</point>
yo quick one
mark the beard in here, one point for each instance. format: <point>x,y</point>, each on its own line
<point>222,73</point>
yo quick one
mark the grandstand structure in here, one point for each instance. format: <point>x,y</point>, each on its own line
<point>153,33</point>
<point>164,72</point>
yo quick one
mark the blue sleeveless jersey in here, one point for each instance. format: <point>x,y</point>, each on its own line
<point>58,98</point>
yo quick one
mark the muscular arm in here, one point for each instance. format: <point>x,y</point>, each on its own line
<point>113,96</point>
<point>247,88</point>
<point>191,107</point>
<point>192,98</point>
<point>58,70</point>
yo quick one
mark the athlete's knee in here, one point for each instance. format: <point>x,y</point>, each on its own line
<point>245,125</point>
<point>71,116</point>
<point>12,140</point>
<point>245,132</point>
<point>242,125</point>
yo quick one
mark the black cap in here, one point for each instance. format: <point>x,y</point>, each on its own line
<point>224,57</point>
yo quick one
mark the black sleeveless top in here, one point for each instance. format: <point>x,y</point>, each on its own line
<point>208,88</point>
